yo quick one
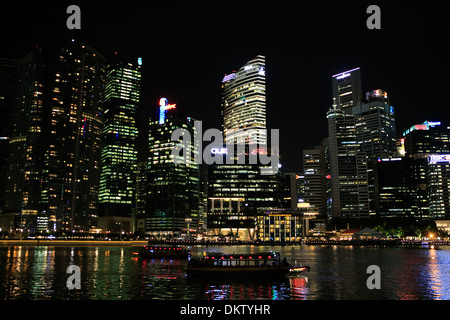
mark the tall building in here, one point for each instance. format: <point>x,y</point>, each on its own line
<point>347,89</point>
<point>348,168</point>
<point>375,125</point>
<point>438,186</point>
<point>173,189</point>
<point>426,143</point>
<point>72,159</point>
<point>397,193</point>
<point>314,191</point>
<point>119,152</point>
<point>237,191</point>
<point>8,82</point>
<point>375,133</point>
<point>244,103</point>
<point>26,143</point>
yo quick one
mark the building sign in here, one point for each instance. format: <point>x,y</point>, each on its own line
<point>436,158</point>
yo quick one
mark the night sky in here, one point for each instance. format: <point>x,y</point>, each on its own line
<point>187,48</point>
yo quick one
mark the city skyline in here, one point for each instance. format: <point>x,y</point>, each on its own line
<point>186,53</point>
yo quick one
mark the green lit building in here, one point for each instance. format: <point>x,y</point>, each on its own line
<point>119,152</point>
<point>172,189</point>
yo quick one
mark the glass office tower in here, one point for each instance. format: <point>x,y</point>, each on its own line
<point>244,103</point>
<point>348,167</point>
<point>119,152</point>
<point>172,189</point>
<point>72,160</point>
<point>237,191</point>
<point>347,90</point>
<point>26,143</point>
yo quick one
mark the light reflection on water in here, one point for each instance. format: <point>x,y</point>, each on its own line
<point>108,273</point>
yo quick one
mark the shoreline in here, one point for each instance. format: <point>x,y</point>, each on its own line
<point>141,243</point>
<point>68,243</point>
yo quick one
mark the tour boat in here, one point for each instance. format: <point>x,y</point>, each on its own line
<point>258,264</point>
<point>163,251</point>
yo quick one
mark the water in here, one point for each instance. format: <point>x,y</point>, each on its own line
<point>112,273</point>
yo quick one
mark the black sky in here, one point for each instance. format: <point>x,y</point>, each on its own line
<point>187,47</point>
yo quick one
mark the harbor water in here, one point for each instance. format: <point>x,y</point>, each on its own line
<point>113,273</point>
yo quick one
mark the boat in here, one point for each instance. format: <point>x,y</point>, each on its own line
<point>163,251</point>
<point>258,264</point>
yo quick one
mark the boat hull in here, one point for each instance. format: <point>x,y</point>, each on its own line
<point>237,271</point>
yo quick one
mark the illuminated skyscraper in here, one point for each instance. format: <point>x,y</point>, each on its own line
<point>244,103</point>
<point>438,186</point>
<point>119,152</point>
<point>8,81</point>
<point>72,168</point>
<point>422,141</point>
<point>237,191</point>
<point>26,143</point>
<point>375,125</point>
<point>347,89</point>
<point>173,189</point>
<point>348,167</point>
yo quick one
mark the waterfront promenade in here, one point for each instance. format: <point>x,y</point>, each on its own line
<point>137,243</point>
<point>44,242</point>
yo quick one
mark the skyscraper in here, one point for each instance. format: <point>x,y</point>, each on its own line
<point>173,189</point>
<point>8,82</point>
<point>26,143</point>
<point>72,160</point>
<point>375,125</point>
<point>314,180</point>
<point>428,144</point>
<point>119,152</point>
<point>438,186</point>
<point>237,191</point>
<point>244,103</point>
<point>348,167</point>
<point>347,90</point>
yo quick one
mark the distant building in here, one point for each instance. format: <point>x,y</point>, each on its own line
<point>347,89</point>
<point>172,202</point>
<point>8,86</point>
<point>438,186</point>
<point>314,189</point>
<point>244,122</point>
<point>27,145</point>
<point>279,225</point>
<point>347,168</point>
<point>119,152</point>
<point>427,144</point>
<point>73,155</point>
<point>396,190</point>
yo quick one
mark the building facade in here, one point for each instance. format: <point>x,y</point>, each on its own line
<point>172,189</point>
<point>349,184</point>
<point>120,132</point>
<point>347,89</point>
<point>73,155</point>
<point>23,197</point>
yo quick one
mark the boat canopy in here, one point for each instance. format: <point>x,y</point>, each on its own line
<point>239,256</point>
